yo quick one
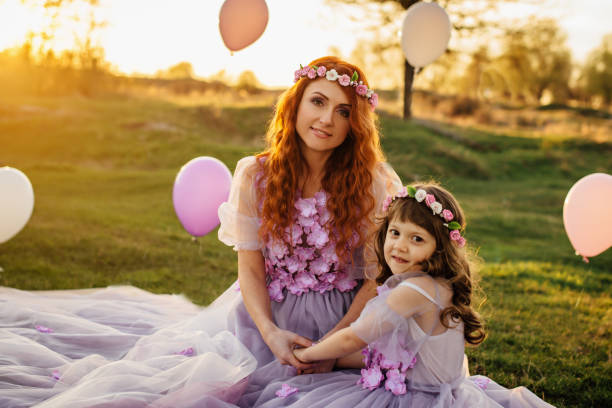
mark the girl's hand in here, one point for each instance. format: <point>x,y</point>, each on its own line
<point>299,354</point>
<point>324,366</point>
<point>282,343</point>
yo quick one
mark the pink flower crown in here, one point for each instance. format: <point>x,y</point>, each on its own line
<point>320,71</point>
<point>421,195</point>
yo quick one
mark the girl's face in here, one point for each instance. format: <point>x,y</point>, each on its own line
<point>406,246</point>
<point>323,117</point>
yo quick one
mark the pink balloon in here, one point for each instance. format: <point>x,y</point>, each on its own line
<point>199,189</point>
<point>587,214</point>
<point>241,22</point>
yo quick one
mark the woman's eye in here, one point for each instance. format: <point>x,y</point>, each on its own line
<point>344,113</point>
<point>317,101</point>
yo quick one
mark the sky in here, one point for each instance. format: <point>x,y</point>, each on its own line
<point>144,36</point>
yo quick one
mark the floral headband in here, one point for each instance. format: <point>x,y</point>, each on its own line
<point>320,71</point>
<point>422,195</point>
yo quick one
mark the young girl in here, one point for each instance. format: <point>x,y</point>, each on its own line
<point>410,338</point>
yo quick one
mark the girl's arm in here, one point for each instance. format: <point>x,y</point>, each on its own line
<point>339,344</point>
<point>252,278</point>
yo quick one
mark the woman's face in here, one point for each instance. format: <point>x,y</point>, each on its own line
<point>323,117</point>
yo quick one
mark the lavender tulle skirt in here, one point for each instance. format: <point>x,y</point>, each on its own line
<point>125,347</point>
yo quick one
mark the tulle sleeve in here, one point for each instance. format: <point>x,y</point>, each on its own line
<point>386,182</point>
<point>239,216</point>
<point>389,327</point>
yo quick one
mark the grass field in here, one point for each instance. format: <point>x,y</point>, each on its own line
<point>103,171</point>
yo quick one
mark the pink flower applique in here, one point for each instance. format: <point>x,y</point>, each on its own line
<point>237,287</point>
<point>56,375</point>
<point>395,382</point>
<point>306,207</point>
<point>188,352</point>
<point>345,283</point>
<point>366,356</point>
<point>447,215</point>
<point>409,359</point>
<point>324,215</point>
<point>370,378</point>
<point>293,234</point>
<point>293,263</point>
<point>321,198</point>
<point>312,74</point>
<point>361,90</point>
<point>321,71</point>
<point>344,80</point>
<point>275,290</point>
<point>318,236</point>
<point>285,391</point>
<point>306,222</point>
<point>304,280</point>
<point>319,266</point>
<point>482,382</point>
<point>43,329</point>
<point>388,363</point>
<point>329,253</point>
<point>277,249</point>
<point>304,253</point>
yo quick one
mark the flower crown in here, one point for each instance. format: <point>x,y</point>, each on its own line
<point>422,195</point>
<point>320,71</point>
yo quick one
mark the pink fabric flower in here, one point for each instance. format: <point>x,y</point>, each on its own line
<point>294,264</point>
<point>386,203</point>
<point>403,192</point>
<point>277,249</point>
<point>318,236</point>
<point>275,290</point>
<point>321,198</point>
<point>371,377</point>
<point>455,235</point>
<point>461,242</point>
<point>344,80</point>
<point>388,363</point>
<point>293,234</point>
<point>43,329</point>
<point>324,215</point>
<point>188,352</point>
<point>304,280</point>
<point>361,90</point>
<point>306,207</point>
<point>395,386</point>
<point>366,356</point>
<point>374,100</point>
<point>430,199</point>
<point>447,215</point>
<point>345,283</point>
<point>329,253</point>
<point>306,222</point>
<point>409,360</point>
<point>319,266</point>
<point>304,253</point>
<point>285,391</point>
<point>312,74</point>
<point>321,71</point>
<point>482,382</point>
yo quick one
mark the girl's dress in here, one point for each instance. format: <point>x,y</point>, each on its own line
<point>124,347</point>
<point>406,365</point>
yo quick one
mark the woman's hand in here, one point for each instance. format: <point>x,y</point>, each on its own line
<point>282,344</point>
<point>324,366</point>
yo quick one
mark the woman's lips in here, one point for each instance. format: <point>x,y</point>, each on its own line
<point>320,133</point>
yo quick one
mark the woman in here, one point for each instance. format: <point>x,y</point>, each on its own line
<point>299,214</point>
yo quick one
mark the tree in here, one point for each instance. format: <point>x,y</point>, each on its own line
<point>247,81</point>
<point>467,17</point>
<point>182,70</point>
<point>597,73</point>
<point>536,60</point>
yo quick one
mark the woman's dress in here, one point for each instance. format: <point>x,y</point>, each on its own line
<point>124,347</point>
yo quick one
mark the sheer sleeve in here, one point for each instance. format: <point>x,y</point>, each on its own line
<point>387,324</point>
<point>239,216</point>
<point>386,182</point>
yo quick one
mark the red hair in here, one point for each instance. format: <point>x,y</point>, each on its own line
<point>348,171</point>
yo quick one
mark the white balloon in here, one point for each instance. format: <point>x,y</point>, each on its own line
<point>425,33</point>
<point>16,202</point>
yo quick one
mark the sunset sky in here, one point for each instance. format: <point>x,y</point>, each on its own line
<point>144,36</point>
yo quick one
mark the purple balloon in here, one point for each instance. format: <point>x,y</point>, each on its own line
<point>199,189</point>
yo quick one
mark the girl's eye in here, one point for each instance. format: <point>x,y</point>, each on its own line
<point>417,238</point>
<point>345,113</point>
<point>393,232</point>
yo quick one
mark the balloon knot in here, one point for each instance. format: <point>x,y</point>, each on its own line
<point>585,259</point>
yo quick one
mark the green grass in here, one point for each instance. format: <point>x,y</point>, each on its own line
<point>103,171</point>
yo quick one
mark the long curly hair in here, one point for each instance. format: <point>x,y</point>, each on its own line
<point>448,260</point>
<point>348,171</point>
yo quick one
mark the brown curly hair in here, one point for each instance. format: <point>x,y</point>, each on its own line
<point>348,171</point>
<point>448,260</point>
